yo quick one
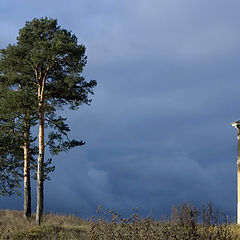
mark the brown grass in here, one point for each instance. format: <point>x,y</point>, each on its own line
<point>14,226</point>
<point>186,223</point>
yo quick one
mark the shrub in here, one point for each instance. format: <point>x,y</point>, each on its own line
<point>186,223</point>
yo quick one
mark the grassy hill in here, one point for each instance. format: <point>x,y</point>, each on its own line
<point>186,223</point>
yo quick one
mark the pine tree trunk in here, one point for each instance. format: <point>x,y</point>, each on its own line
<point>27,177</point>
<point>40,170</point>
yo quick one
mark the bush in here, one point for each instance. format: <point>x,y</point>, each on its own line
<point>186,223</point>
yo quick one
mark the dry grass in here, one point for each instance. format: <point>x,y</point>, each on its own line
<point>14,226</point>
<point>186,223</point>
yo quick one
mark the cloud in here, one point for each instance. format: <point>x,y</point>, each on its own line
<point>158,130</point>
<point>132,180</point>
<point>173,30</point>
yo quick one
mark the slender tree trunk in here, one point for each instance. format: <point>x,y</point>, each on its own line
<point>41,79</point>
<point>40,170</point>
<point>27,177</point>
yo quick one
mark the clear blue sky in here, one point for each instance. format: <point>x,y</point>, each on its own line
<point>158,130</point>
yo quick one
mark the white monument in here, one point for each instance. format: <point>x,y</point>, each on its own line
<point>237,126</point>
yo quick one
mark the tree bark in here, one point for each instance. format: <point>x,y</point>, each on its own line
<point>27,176</point>
<point>40,170</point>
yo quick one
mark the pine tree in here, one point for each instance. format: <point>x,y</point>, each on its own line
<point>16,119</point>
<point>51,65</point>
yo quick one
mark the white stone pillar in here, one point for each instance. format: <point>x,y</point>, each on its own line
<point>237,126</point>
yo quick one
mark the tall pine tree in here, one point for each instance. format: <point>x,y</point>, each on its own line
<point>54,60</point>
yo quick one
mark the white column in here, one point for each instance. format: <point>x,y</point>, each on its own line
<point>238,175</point>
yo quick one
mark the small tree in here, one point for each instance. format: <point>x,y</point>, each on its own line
<point>54,60</point>
<point>17,116</point>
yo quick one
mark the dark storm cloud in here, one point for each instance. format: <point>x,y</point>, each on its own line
<point>158,130</point>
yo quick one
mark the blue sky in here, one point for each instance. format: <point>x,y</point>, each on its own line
<point>158,130</point>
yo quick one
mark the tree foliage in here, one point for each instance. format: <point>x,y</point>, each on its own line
<point>45,65</point>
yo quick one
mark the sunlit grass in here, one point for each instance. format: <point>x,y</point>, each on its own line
<point>14,226</point>
<point>186,223</point>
